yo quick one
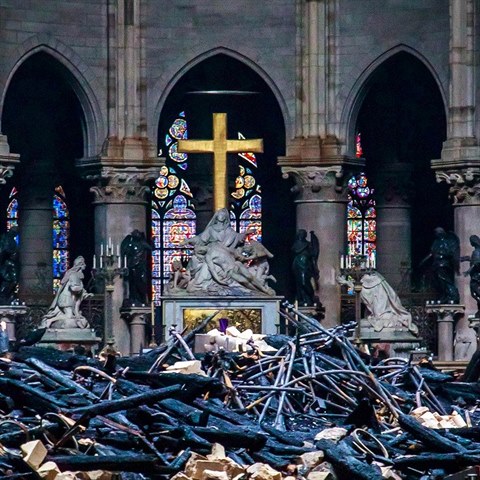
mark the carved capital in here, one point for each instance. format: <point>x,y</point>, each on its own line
<point>317,183</point>
<point>464,184</point>
<point>122,185</point>
<point>7,160</point>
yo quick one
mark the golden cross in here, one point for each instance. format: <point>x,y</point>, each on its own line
<point>220,146</point>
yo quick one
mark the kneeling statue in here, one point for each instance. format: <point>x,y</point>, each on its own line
<point>64,312</point>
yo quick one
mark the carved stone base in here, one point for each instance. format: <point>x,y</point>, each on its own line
<point>9,314</point>
<point>402,341</point>
<point>68,338</point>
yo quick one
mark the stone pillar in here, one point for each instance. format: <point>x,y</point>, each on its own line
<point>136,317</point>
<point>35,231</point>
<point>392,196</point>
<point>321,207</point>
<point>459,165</point>
<point>445,316</point>
<point>120,207</point>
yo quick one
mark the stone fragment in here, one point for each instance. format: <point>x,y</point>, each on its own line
<point>99,475</point>
<point>389,474</point>
<point>311,459</point>
<point>218,452</point>
<point>48,470</point>
<point>214,475</point>
<point>262,471</point>
<point>34,453</point>
<point>334,434</point>
<point>186,367</point>
<point>319,476</point>
<point>180,476</point>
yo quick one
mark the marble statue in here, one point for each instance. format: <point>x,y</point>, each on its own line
<point>8,266</point>
<point>304,267</point>
<point>64,312</point>
<point>385,310</point>
<point>136,249</point>
<point>474,270</point>
<point>222,263</point>
<point>445,255</point>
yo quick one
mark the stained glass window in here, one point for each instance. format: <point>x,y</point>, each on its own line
<point>358,145</point>
<point>173,216</point>
<point>246,209</point>
<point>361,218</point>
<point>60,237</point>
<point>12,211</point>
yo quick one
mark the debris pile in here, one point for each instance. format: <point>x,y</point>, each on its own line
<point>315,407</point>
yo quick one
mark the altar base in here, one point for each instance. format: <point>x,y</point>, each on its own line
<point>260,313</point>
<point>136,317</point>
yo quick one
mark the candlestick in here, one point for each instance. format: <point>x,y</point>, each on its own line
<point>119,262</point>
<point>118,250</point>
<point>94,261</point>
<point>125,261</point>
<point>342,261</point>
<point>101,261</point>
<point>101,249</point>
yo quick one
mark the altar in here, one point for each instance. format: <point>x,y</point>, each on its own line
<point>259,313</point>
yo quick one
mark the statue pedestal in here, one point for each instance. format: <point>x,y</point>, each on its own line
<point>445,315</point>
<point>402,341</point>
<point>9,315</point>
<point>67,338</point>
<point>136,318</point>
<point>260,312</point>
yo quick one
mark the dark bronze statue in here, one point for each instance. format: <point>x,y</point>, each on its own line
<point>136,248</point>
<point>305,270</point>
<point>445,255</point>
<point>474,271</point>
<point>8,266</point>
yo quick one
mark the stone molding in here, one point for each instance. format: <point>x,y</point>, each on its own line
<point>126,185</point>
<point>8,160</point>
<point>317,183</point>
<point>464,184</point>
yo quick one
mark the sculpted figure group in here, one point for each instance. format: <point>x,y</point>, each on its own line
<point>222,263</point>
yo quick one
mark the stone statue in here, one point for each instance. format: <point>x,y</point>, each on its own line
<point>305,270</point>
<point>222,263</point>
<point>384,308</point>
<point>136,248</point>
<point>474,270</point>
<point>64,312</point>
<point>445,255</point>
<point>8,266</point>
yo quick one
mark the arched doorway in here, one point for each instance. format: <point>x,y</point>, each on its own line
<point>223,84</point>
<point>45,124</point>
<point>402,123</point>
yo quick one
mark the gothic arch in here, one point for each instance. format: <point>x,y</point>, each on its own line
<point>361,87</point>
<point>79,76</point>
<point>165,90</point>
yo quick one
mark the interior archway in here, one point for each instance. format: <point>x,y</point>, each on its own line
<point>44,122</point>
<point>224,84</point>
<point>402,123</point>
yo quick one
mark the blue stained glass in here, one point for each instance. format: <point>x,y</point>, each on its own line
<point>60,237</point>
<point>183,166</point>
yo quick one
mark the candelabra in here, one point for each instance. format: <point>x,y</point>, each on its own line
<point>353,268</point>
<point>110,267</point>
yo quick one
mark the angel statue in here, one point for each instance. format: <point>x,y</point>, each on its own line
<point>304,267</point>
<point>474,270</point>
<point>445,255</point>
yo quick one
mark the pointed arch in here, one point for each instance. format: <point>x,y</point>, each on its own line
<point>362,85</point>
<point>166,89</point>
<point>78,75</point>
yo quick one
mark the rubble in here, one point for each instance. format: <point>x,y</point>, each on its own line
<point>315,407</point>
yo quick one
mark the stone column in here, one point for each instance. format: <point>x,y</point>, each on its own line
<point>120,207</point>
<point>392,196</point>
<point>35,232</point>
<point>446,316</point>
<point>321,207</point>
<point>136,317</point>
